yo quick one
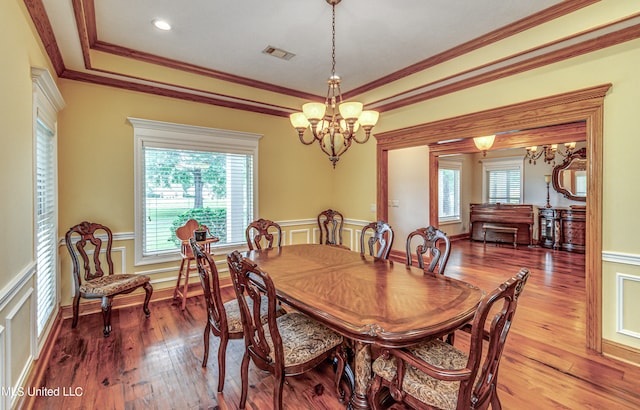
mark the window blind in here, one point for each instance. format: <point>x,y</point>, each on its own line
<point>504,186</point>
<point>214,188</point>
<point>45,223</point>
<point>449,193</point>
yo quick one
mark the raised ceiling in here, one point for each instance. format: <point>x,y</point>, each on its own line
<point>374,38</point>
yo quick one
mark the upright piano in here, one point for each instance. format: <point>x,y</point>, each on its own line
<point>519,216</point>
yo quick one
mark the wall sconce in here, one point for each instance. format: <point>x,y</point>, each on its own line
<point>484,143</point>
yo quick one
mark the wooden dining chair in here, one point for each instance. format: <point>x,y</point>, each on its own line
<point>223,318</point>
<point>287,345</point>
<point>429,240</point>
<point>436,375</point>
<point>89,246</point>
<point>330,224</point>
<point>381,236</point>
<point>263,231</point>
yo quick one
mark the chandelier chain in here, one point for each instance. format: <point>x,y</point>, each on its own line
<point>333,40</point>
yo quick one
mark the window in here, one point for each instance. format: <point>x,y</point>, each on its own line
<point>449,191</point>
<point>185,172</point>
<point>47,101</point>
<point>502,180</point>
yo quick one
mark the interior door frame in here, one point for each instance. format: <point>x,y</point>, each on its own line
<point>582,105</point>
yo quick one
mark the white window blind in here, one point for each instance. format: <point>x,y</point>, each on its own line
<point>449,191</point>
<point>46,223</point>
<point>503,180</point>
<point>214,188</point>
<point>187,172</point>
<point>47,101</point>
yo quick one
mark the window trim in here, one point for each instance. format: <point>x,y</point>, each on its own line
<point>168,135</point>
<point>455,165</point>
<point>497,164</point>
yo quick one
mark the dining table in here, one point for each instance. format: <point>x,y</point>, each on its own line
<point>368,300</point>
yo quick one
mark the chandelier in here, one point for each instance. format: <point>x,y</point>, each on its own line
<point>334,131</point>
<point>548,152</point>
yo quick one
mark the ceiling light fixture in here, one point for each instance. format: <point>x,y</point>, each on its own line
<point>161,24</point>
<point>484,143</point>
<point>335,133</point>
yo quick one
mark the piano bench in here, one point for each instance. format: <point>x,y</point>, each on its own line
<point>500,229</point>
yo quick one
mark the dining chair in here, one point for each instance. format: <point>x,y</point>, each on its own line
<point>330,223</point>
<point>429,240</point>
<point>89,246</point>
<point>436,375</point>
<point>183,233</point>
<point>287,345</point>
<point>223,318</point>
<point>382,235</point>
<point>263,231</point>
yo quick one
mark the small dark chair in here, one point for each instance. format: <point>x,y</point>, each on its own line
<point>288,345</point>
<point>436,375</point>
<point>382,236</point>
<point>430,240</point>
<point>86,249</point>
<point>263,229</point>
<point>330,223</point>
<point>183,233</point>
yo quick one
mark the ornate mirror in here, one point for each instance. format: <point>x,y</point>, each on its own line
<point>570,177</point>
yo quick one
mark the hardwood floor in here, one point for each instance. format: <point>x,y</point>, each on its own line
<point>155,363</point>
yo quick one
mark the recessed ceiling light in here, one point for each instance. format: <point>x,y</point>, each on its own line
<point>161,24</point>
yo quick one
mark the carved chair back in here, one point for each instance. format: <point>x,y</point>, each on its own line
<point>429,241</point>
<point>90,252</point>
<point>210,281</point>
<point>382,236</point>
<point>250,283</point>
<point>263,231</point>
<point>330,223</point>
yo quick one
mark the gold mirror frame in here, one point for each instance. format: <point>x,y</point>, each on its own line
<point>576,162</point>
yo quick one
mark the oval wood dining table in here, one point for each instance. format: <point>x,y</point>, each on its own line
<point>368,300</point>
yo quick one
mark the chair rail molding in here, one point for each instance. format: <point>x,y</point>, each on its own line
<point>621,257</point>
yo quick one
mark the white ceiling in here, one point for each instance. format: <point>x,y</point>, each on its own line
<point>373,38</point>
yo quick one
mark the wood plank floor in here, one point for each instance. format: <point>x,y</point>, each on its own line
<point>155,363</point>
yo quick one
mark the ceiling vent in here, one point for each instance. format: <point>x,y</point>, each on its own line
<point>278,52</point>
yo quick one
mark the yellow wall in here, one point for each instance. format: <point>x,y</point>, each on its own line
<point>20,50</point>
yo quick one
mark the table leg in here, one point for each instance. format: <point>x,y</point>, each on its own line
<point>362,365</point>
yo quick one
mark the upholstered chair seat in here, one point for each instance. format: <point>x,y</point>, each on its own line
<point>112,284</point>
<point>434,392</point>
<point>303,339</point>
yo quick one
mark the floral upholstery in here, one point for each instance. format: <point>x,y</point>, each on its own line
<point>438,393</point>
<point>302,338</point>
<point>234,318</point>
<point>108,285</point>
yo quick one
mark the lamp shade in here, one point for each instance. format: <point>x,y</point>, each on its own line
<point>350,110</point>
<point>298,120</point>
<point>343,126</point>
<point>368,118</point>
<point>314,111</point>
<point>547,178</point>
<point>484,143</point>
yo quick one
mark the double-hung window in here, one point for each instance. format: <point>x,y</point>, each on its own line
<point>502,180</point>
<point>47,101</point>
<point>186,172</point>
<point>449,173</point>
